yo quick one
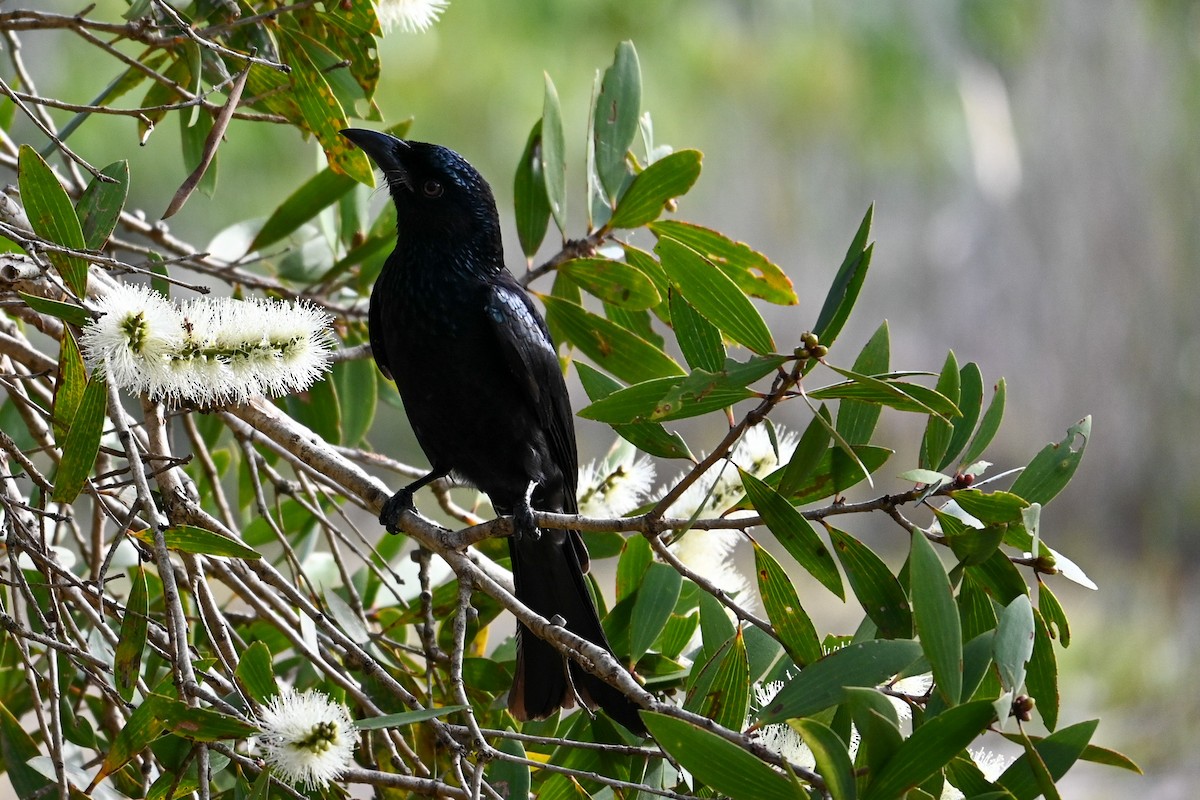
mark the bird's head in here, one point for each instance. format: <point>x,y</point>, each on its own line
<point>436,192</point>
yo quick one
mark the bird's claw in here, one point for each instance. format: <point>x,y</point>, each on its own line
<point>523,524</point>
<point>393,507</point>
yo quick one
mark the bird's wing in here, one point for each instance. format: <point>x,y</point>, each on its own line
<point>375,329</point>
<point>531,356</point>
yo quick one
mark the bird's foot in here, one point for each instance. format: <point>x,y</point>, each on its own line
<point>393,507</point>
<point>523,524</point>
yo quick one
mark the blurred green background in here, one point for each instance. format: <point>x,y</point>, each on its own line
<point>1036,173</point>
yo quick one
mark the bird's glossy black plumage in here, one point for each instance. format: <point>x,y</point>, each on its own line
<point>481,384</point>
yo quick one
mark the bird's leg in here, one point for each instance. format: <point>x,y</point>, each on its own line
<point>401,501</point>
<point>523,524</point>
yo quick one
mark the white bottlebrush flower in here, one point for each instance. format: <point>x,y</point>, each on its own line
<point>780,738</point>
<point>307,738</point>
<point>409,16</point>
<point>608,489</point>
<point>209,350</point>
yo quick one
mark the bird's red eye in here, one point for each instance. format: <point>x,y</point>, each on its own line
<point>432,189</point>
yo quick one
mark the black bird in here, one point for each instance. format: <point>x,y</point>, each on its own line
<point>483,389</point>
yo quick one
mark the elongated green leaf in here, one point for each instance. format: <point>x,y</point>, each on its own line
<point>649,437</point>
<point>936,618</point>
<point>530,205</point>
<point>876,588</point>
<point>699,339</point>
<point>1051,469</point>
<point>405,718</point>
<point>856,419</point>
<point>613,282</point>
<point>938,430</point>
<point>632,404</point>
<point>1052,612</point>
<point>714,295</point>
<point>17,749</point>
<point>143,726</point>
<point>101,203</point>
<point>52,216</point>
<point>833,760</point>
<point>322,113</point>
<point>999,578</point>
<point>69,388</point>
<point>1041,681</point>
<point>626,356</point>
<point>700,393</point>
<point>356,379</point>
<point>724,766</point>
<point>787,615</point>
<point>821,684</point>
<point>878,724</point>
<point>794,532</point>
<point>990,507</point>
<point>715,628</point>
<point>825,480</point>
<point>807,456</point>
<point>930,748</point>
<point>843,293</point>
<point>554,162</point>
<point>82,444</point>
<point>511,778</point>
<point>1014,642</point>
<point>754,273</point>
<point>656,599</point>
<point>655,186</point>
<point>201,724</point>
<point>314,195</point>
<point>127,659</point>
<point>987,426</point>
<point>721,690</point>
<point>190,539</point>
<point>67,312</point>
<point>615,118</point>
<point>1058,752</point>
<point>256,674</point>
<point>636,558</point>
<point>970,403</point>
<point>900,395</point>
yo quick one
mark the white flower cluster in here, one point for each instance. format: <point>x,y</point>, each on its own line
<point>307,738</point>
<point>616,485</point>
<point>208,350</point>
<point>409,16</point>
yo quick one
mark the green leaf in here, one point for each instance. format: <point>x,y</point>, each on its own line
<point>699,339</point>
<point>714,295</point>
<point>613,282</point>
<point>201,724</point>
<point>127,659</point>
<point>142,727</point>
<point>193,139</point>
<point>999,578</point>
<point>1052,468</point>
<point>67,312</point>
<point>876,588</point>
<point>970,545</point>
<point>806,457</point>
<point>649,437</point>
<point>856,419</point>
<point>314,195</point>
<point>900,395</point>
<point>754,273</point>
<point>938,430</point>
<point>510,778</point>
<point>843,293</point>
<point>190,539</point>
<point>930,748</point>
<point>625,355</point>
<point>356,379</point>
<point>970,403</point>
<point>615,118</point>
<point>405,718</point>
<point>82,443</point>
<point>554,162</point>
<point>715,628</point>
<point>720,690</point>
<point>636,558</point>
<point>530,205</point>
<point>833,760</point>
<point>100,205</point>
<point>1013,644</point>
<point>794,627</point>
<point>656,598</point>
<point>717,763</point>
<point>1058,751</point>
<point>794,532</point>
<point>1041,681</point>
<point>655,186</point>
<point>319,408</point>
<point>69,388</point>
<point>17,747</point>
<point>821,684</point>
<point>1053,614</point>
<point>52,216</point>
<point>256,674</point>
<point>825,481</point>
<point>936,618</point>
<point>987,426</point>
<point>702,391</point>
<point>990,507</point>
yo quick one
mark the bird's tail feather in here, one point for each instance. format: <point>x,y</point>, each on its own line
<point>549,579</point>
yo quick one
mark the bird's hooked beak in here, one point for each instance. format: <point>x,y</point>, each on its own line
<point>382,148</point>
